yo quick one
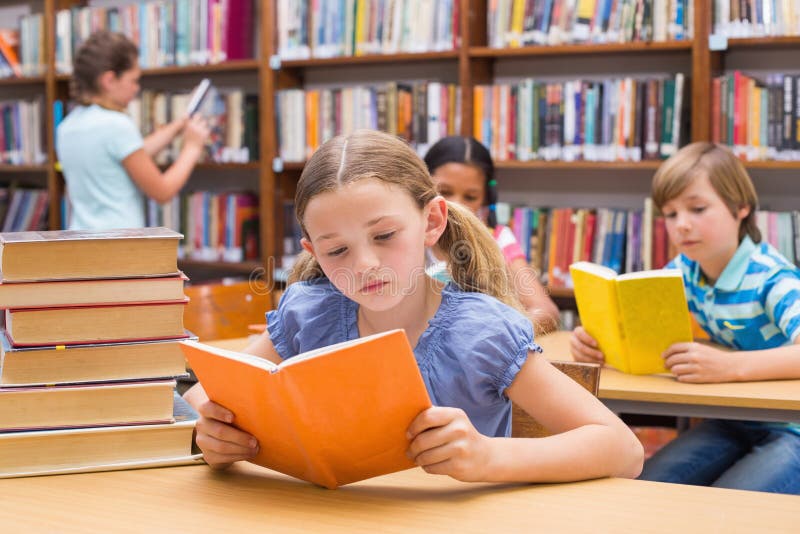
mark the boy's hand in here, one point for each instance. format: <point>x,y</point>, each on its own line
<point>221,443</point>
<point>699,363</point>
<point>584,347</point>
<point>444,442</point>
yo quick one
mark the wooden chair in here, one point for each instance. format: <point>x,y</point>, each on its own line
<point>585,374</point>
<point>222,311</point>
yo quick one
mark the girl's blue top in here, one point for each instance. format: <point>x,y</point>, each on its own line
<point>469,354</point>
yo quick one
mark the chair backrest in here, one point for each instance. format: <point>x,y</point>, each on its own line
<point>223,311</point>
<point>585,374</point>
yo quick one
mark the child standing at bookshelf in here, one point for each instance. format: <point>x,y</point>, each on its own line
<point>107,165</point>
<point>463,172</point>
<point>368,209</point>
<point>746,296</point>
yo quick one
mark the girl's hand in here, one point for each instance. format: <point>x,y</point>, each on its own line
<point>698,363</point>
<point>444,442</point>
<point>221,443</point>
<point>196,131</point>
<point>584,347</point>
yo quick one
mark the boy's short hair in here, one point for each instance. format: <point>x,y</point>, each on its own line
<point>725,172</point>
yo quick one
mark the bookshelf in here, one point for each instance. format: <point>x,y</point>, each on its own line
<point>472,63</point>
<point>478,63</point>
<point>55,86</point>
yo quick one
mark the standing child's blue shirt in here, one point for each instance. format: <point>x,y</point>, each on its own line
<point>470,353</point>
<point>91,143</point>
<point>754,305</point>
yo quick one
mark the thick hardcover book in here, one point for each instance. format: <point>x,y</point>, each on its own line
<point>75,254</point>
<point>331,416</point>
<point>80,450</point>
<point>86,405</point>
<point>96,362</point>
<point>104,323</point>
<point>100,291</point>
<point>634,317</point>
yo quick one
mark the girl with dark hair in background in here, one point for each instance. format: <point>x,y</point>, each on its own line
<point>463,172</point>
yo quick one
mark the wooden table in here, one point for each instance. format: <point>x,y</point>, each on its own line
<point>252,499</point>
<point>773,400</point>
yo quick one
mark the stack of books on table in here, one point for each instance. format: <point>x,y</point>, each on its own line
<point>90,352</point>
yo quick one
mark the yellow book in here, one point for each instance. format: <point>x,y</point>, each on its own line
<point>634,317</point>
<point>517,16</point>
<point>477,111</point>
<point>362,19</point>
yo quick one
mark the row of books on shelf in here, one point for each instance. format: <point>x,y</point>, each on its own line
<point>515,23</point>
<point>217,226</point>
<point>622,240</point>
<point>22,51</point>
<point>759,118</point>
<point>21,132</point>
<point>331,28</point>
<point>419,112</point>
<point>622,119</point>
<point>23,209</point>
<point>90,352</point>
<point>232,117</point>
<point>751,18</point>
<point>167,32</point>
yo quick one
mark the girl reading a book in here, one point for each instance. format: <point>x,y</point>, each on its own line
<point>368,210</point>
<point>108,167</point>
<point>463,172</point>
<point>746,296</point>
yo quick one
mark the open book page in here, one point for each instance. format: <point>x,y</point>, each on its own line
<point>330,420</point>
<point>654,316</point>
<point>596,297</point>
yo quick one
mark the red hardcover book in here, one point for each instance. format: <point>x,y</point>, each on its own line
<point>70,325</point>
<point>716,120</point>
<point>59,293</point>
<point>660,244</point>
<point>588,236</point>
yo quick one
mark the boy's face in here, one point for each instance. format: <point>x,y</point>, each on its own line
<point>369,238</point>
<point>701,226</point>
<point>462,184</point>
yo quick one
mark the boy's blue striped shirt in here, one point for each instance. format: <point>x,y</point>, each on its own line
<point>755,303</point>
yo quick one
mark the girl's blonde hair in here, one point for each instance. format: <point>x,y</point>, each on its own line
<point>726,173</point>
<point>474,259</point>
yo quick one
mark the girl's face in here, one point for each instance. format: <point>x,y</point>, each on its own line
<point>462,184</point>
<point>120,90</point>
<point>702,227</point>
<point>369,238</point>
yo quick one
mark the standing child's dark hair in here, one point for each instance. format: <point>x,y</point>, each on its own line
<point>475,261</point>
<point>103,51</point>
<point>469,151</point>
<point>725,172</point>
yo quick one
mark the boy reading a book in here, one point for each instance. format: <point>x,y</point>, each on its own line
<point>368,210</point>
<point>746,296</point>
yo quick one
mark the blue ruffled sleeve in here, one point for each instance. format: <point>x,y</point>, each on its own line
<point>310,315</point>
<point>482,340</point>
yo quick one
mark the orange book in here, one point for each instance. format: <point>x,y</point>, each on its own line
<point>330,416</point>
<point>7,51</point>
